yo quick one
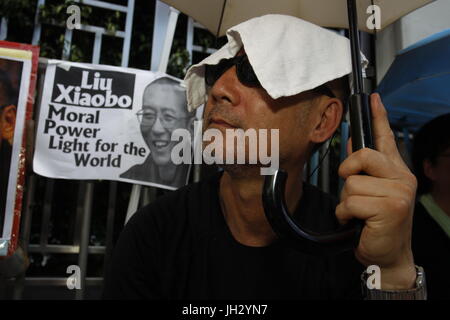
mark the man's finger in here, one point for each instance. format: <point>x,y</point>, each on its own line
<point>359,185</point>
<point>382,132</point>
<point>371,209</point>
<point>371,162</point>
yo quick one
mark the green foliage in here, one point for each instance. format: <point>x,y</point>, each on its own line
<point>179,60</point>
<point>112,22</point>
<point>206,42</point>
<point>18,11</point>
<point>20,14</point>
<point>53,15</point>
<point>52,49</point>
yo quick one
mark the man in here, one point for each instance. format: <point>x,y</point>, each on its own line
<point>211,240</point>
<point>7,125</point>
<point>163,111</point>
<point>431,228</point>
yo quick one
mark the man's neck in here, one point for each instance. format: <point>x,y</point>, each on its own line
<point>241,202</point>
<point>442,199</point>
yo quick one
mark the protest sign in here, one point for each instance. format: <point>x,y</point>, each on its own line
<point>112,123</point>
<point>18,69</point>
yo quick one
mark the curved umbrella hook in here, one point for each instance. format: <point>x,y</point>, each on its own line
<point>275,209</point>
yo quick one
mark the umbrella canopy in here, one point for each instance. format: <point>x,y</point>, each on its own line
<point>219,15</point>
<point>416,88</point>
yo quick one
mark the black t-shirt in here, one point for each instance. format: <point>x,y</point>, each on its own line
<point>180,247</point>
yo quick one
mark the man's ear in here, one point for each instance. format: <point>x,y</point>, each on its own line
<point>9,123</point>
<point>328,119</point>
<point>428,170</point>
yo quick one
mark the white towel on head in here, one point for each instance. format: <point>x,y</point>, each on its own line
<point>289,56</point>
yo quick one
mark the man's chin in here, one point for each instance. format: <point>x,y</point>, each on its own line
<point>241,170</point>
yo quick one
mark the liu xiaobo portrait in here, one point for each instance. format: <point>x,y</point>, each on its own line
<point>163,111</point>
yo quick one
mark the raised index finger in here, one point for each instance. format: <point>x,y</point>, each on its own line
<point>382,132</point>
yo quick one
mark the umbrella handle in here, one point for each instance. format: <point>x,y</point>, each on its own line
<point>275,209</point>
<point>346,237</point>
<point>361,122</point>
<point>343,239</point>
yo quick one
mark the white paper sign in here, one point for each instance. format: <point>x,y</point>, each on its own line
<point>104,122</point>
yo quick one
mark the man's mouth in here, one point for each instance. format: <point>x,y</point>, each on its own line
<point>221,122</point>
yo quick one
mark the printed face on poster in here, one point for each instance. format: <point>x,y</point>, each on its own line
<point>112,123</point>
<point>16,67</point>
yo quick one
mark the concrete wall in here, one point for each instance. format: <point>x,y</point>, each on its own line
<point>424,22</point>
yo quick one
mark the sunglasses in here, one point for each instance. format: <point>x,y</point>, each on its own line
<point>246,74</point>
<point>244,71</point>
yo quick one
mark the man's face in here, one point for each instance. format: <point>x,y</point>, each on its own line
<point>232,105</point>
<point>164,111</point>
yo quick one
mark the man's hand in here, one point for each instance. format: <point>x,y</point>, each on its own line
<point>384,199</point>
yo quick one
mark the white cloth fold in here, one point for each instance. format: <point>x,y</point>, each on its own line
<point>289,56</point>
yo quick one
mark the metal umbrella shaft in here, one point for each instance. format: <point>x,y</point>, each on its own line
<point>355,46</point>
<point>360,115</point>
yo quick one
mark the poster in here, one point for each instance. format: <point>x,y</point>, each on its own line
<point>111,123</point>
<point>18,69</point>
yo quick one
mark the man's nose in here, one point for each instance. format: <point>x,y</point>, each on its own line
<point>226,90</point>
<point>158,127</point>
